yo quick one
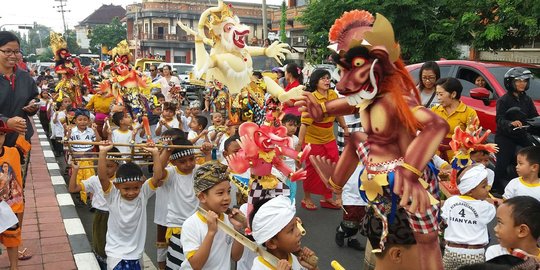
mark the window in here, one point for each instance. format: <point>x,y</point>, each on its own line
<point>445,72</point>
<point>467,77</point>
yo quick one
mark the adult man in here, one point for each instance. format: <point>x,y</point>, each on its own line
<point>154,73</point>
<point>17,89</point>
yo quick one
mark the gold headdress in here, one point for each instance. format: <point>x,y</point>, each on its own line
<point>57,43</point>
<point>121,48</point>
<point>216,17</point>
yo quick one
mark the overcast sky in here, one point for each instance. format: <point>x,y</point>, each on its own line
<point>43,11</point>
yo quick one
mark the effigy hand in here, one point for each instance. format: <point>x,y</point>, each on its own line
<point>305,153</point>
<point>247,144</point>
<point>293,94</point>
<point>298,175</point>
<point>324,168</point>
<point>407,185</point>
<point>237,162</point>
<point>308,104</point>
<point>277,51</point>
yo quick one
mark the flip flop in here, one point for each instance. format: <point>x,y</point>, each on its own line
<point>24,255</point>
<point>309,206</point>
<point>329,205</point>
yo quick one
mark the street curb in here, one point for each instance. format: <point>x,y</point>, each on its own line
<point>78,240</point>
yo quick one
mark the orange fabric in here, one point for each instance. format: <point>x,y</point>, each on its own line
<point>11,180</point>
<point>11,238</point>
<point>320,132</point>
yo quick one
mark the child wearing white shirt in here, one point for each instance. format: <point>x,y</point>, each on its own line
<point>127,196</point>
<point>168,119</point>
<point>274,224</point>
<point>528,167</point>
<point>205,246</point>
<point>122,134</point>
<point>467,216</point>
<point>198,135</point>
<point>101,216</point>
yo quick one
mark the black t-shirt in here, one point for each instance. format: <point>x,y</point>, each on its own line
<point>507,101</point>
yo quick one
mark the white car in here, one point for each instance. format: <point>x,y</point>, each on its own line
<point>182,70</point>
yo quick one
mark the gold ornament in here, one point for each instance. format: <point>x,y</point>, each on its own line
<point>57,43</point>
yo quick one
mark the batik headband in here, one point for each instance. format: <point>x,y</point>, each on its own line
<point>120,180</point>
<point>182,153</point>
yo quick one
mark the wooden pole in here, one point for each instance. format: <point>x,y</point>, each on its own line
<point>141,145</point>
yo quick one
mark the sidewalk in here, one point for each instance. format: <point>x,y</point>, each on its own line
<point>52,231</point>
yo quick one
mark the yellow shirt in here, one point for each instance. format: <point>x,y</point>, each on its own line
<point>460,117</point>
<point>320,132</point>
<point>100,104</point>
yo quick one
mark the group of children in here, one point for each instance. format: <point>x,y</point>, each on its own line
<point>467,215</point>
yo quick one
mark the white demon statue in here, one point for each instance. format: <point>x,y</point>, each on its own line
<point>229,60</point>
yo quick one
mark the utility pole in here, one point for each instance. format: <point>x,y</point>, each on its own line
<point>265,26</point>
<point>62,10</point>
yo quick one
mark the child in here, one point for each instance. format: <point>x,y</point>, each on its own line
<point>205,246</point>
<point>217,129</point>
<point>127,196</point>
<point>101,216</point>
<point>162,200</point>
<point>181,200</point>
<point>291,122</point>
<point>57,126</point>
<point>122,134</point>
<point>482,156</point>
<point>193,110</point>
<point>354,210</point>
<point>240,181</point>
<point>467,216</point>
<point>197,134</point>
<point>167,120</point>
<point>274,225</point>
<point>44,110</point>
<point>230,130</point>
<point>528,168</point>
<point>11,190</point>
<point>82,132</point>
<point>518,227</point>
<point>154,116</point>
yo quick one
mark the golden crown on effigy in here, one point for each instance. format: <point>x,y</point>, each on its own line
<point>57,43</point>
<point>215,18</point>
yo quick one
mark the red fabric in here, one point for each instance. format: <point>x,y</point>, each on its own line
<point>313,182</point>
<point>293,109</point>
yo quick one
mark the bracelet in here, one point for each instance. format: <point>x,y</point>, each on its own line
<point>409,167</point>
<point>334,185</point>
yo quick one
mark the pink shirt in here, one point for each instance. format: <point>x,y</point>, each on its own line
<point>293,109</point>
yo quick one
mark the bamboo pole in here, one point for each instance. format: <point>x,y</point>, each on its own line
<point>95,166</point>
<point>112,154</point>
<point>140,145</point>
<point>95,159</point>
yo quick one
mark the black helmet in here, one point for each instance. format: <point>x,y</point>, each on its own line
<point>516,73</point>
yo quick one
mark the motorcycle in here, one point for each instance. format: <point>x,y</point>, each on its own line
<point>531,126</point>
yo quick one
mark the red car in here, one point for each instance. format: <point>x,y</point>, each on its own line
<point>483,100</point>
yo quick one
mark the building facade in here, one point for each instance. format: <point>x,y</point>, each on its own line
<point>102,16</point>
<point>153,29</point>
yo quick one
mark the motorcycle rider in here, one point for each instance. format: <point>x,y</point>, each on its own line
<point>516,82</point>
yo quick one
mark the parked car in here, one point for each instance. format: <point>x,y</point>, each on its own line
<point>483,100</point>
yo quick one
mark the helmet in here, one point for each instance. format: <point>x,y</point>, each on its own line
<point>516,73</point>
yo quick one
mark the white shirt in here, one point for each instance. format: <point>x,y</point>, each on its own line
<point>495,251</point>
<point>518,187</point>
<point>86,135</point>
<point>185,123</point>
<point>260,264</point>
<point>182,202</point>
<point>160,207</point>
<point>351,189</point>
<point>192,135</point>
<point>221,148</point>
<point>119,136</point>
<point>291,163</point>
<point>193,234</point>
<point>57,129</point>
<point>172,124</point>
<point>126,232</point>
<point>165,87</point>
<point>246,261</point>
<point>425,97</point>
<point>467,220</point>
<point>93,185</point>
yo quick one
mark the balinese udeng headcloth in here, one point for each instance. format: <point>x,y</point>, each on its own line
<point>57,43</point>
<point>345,33</point>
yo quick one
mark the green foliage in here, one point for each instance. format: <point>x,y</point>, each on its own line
<point>282,34</point>
<point>429,30</point>
<point>108,35</point>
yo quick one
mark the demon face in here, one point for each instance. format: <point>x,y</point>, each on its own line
<point>360,75</point>
<point>233,34</point>
<point>266,137</point>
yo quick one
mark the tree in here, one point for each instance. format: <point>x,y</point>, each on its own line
<point>108,35</point>
<point>282,34</point>
<point>493,24</point>
<point>418,29</point>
